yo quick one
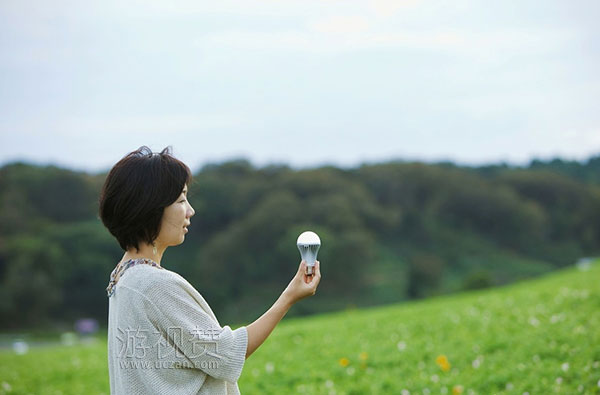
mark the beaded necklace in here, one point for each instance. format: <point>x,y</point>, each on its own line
<point>118,271</point>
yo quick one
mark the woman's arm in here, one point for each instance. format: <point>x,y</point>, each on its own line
<point>259,330</point>
<point>299,288</point>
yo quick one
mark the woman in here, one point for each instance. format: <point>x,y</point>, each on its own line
<point>163,337</point>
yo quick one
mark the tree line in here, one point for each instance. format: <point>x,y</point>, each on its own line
<point>390,232</point>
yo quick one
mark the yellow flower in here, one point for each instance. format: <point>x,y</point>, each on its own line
<point>344,362</point>
<point>363,356</point>
<point>457,390</point>
<point>442,361</point>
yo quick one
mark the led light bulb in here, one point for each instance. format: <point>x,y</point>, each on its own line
<point>308,245</point>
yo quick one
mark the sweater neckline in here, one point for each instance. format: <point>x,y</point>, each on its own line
<point>145,260</point>
<point>121,267</point>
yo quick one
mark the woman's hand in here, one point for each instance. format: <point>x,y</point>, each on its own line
<point>302,285</point>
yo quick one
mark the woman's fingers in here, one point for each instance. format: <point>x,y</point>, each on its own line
<point>309,279</point>
<point>317,276</point>
<point>301,268</point>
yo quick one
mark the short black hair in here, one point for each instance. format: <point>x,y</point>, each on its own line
<point>136,191</point>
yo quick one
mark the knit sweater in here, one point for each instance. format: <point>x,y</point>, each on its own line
<point>163,338</point>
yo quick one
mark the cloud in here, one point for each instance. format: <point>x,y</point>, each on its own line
<point>340,24</point>
<point>388,8</point>
<point>149,124</point>
<point>343,34</point>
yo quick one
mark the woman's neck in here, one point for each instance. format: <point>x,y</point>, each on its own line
<point>145,251</point>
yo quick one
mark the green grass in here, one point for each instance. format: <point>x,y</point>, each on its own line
<point>541,336</point>
<point>81,369</point>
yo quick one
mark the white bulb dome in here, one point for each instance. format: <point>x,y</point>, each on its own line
<point>309,238</point>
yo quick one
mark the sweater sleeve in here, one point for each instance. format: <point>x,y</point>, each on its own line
<point>218,351</point>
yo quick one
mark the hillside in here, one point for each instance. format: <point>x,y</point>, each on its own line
<point>538,336</point>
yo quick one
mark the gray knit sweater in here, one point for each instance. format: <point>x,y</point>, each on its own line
<point>163,338</point>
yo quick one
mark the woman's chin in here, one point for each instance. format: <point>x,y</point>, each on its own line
<point>177,242</point>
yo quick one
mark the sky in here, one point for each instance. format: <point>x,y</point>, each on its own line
<point>304,83</point>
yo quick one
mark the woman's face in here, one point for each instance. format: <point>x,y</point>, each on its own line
<point>175,220</point>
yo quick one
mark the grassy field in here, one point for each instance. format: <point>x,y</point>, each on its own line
<point>537,337</point>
